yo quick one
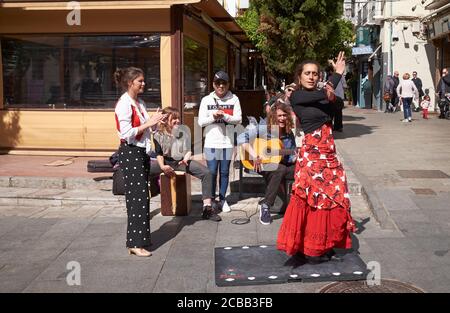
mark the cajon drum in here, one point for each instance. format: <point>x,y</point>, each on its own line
<point>175,194</point>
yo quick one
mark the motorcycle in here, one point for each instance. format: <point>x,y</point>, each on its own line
<point>444,106</point>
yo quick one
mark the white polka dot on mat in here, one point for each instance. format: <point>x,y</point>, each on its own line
<point>336,274</point>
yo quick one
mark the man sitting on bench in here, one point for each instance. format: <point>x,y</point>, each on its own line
<point>271,153</point>
<point>172,147</point>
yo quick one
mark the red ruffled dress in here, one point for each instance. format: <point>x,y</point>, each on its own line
<point>317,218</point>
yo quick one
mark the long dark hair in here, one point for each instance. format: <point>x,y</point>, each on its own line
<point>299,70</point>
<point>123,76</point>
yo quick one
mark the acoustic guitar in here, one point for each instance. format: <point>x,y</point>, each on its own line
<point>270,151</point>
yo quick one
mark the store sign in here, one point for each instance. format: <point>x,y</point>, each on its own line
<point>362,50</point>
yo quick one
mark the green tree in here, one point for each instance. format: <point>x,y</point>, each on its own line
<point>287,32</point>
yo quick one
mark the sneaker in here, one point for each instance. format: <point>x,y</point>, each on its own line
<point>409,119</point>
<point>264,214</point>
<point>209,214</point>
<point>225,207</point>
<point>405,120</point>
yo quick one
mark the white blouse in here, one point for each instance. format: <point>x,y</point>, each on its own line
<point>124,115</point>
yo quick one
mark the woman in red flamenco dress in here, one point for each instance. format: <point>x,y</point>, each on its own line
<point>318,217</point>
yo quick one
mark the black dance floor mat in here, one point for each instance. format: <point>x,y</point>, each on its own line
<point>260,265</point>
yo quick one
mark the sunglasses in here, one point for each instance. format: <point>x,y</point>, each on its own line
<point>220,82</point>
<point>289,89</point>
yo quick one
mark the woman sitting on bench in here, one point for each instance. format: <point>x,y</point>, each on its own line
<point>173,149</point>
<point>279,126</point>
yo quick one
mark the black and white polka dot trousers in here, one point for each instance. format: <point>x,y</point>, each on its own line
<point>135,165</point>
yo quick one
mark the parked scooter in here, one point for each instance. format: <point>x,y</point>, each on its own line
<point>444,107</point>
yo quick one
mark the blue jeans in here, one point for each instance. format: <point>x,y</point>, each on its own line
<point>219,159</point>
<point>407,107</point>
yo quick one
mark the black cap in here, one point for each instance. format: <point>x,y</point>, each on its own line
<point>221,75</point>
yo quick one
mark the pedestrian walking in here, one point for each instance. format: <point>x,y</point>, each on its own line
<point>396,99</point>
<point>217,110</point>
<point>444,93</point>
<point>418,82</point>
<point>318,217</point>
<point>389,94</point>
<point>425,104</point>
<point>133,125</point>
<point>338,124</point>
<point>407,91</point>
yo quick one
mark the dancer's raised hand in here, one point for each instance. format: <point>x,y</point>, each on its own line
<point>339,64</point>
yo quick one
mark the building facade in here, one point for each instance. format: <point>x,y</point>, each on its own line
<point>397,42</point>
<point>57,60</point>
<point>437,29</point>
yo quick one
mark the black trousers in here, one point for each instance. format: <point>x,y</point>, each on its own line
<point>135,165</point>
<point>337,120</point>
<point>274,179</point>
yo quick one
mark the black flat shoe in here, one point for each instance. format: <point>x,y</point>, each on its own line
<point>320,259</point>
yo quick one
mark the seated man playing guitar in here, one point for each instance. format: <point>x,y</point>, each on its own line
<point>270,150</point>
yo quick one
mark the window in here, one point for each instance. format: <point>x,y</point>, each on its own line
<point>220,61</point>
<point>76,71</point>
<point>195,73</point>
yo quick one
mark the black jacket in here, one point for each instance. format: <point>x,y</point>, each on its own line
<point>444,86</point>
<point>313,108</point>
<point>418,82</point>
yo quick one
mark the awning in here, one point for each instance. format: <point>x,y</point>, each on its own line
<point>218,18</point>
<point>362,50</point>
<point>436,4</point>
<point>95,5</point>
<point>376,50</point>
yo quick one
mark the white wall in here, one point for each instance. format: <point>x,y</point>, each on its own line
<point>409,53</point>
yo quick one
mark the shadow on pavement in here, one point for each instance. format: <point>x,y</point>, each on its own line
<point>354,130</point>
<point>352,118</point>
<point>170,229</point>
<point>360,225</point>
<point>355,243</point>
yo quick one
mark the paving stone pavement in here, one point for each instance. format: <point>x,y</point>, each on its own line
<point>43,227</point>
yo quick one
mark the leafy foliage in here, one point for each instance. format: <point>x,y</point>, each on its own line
<point>287,32</point>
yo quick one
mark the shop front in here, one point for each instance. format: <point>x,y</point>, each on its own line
<point>57,93</point>
<point>438,33</point>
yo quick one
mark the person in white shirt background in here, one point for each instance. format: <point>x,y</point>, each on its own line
<point>217,110</point>
<point>133,125</point>
<point>406,91</point>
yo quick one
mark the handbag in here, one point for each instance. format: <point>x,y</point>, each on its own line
<point>118,187</point>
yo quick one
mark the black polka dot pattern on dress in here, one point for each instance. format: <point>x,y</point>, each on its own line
<point>135,164</point>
